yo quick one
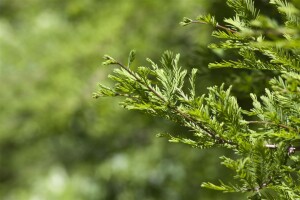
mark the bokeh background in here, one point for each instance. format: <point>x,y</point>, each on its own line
<point>57,142</point>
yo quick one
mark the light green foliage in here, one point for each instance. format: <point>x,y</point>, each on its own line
<point>265,138</point>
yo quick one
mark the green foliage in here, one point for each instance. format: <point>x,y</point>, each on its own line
<point>265,139</point>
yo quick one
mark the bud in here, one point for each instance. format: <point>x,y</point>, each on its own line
<point>109,60</point>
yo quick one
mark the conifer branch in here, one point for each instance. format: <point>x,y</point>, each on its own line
<point>212,134</point>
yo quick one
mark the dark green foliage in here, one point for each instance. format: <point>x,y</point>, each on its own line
<point>265,138</point>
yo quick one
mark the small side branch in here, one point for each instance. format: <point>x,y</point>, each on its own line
<point>290,150</point>
<point>217,25</point>
<point>271,123</point>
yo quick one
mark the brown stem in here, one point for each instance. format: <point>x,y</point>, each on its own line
<point>217,25</point>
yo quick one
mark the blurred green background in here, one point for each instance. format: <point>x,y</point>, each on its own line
<point>56,142</point>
